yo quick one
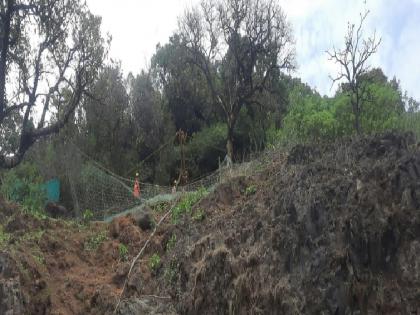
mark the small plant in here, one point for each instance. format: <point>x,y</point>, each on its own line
<point>95,241</point>
<point>186,203</point>
<point>87,216</point>
<point>38,214</point>
<point>160,207</point>
<point>39,258</point>
<point>171,272</point>
<point>171,242</point>
<point>123,250</point>
<point>33,236</point>
<point>4,237</point>
<point>154,262</point>
<point>198,215</point>
<point>250,190</point>
<point>24,185</point>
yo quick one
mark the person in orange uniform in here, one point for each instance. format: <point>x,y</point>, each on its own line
<point>136,190</point>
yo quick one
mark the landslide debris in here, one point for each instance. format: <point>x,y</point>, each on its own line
<point>329,229</point>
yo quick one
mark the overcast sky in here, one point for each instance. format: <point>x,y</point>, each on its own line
<point>136,26</point>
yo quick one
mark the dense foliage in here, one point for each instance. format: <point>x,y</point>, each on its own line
<point>128,123</point>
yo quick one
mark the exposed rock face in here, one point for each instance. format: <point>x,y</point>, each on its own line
<point>11,298</point>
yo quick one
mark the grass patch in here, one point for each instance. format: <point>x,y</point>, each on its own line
<point>198,215</point>
<point>4,237</point>
<point>171,272</point>
<point>95,241</point>
<point>250,190</point>
<point>39,258</point>
<point>154,262</point>
<point>87,216</point>
<point>160,207</point>
<point>123,251</point>
<point>186,203</point>
<point>34,236</point>
<point>171,242</point>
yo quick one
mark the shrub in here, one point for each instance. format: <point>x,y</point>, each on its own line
<point>123,251</point>
<point>198,215</point>
<point>250,190</point>
<point>171,242</point>
<point>95,241</point>
<point>23,185</point>
<point>154,262</point>
<point>171,272</point>
<point>205,148</point>
<point>87,216</point>
<point>186,203</point>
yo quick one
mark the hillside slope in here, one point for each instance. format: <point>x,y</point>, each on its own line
<point>321,230</point>
<point>330,231</point>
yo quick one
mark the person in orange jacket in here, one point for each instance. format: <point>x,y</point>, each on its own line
<point>136,190</point>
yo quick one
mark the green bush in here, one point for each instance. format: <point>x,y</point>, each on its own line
<point>154,262</point>
<point>123,251</point>
<point>23,185</point>
<point>198,215</point>
<point>409,122</point>
<point>315,118</point>
<point>87,216</point>
<point>186,203</point>
<point>205,148</point>
<point>95,241</point>
<point>310,117</point>
<point>250,190</point>
<point>382,111</point>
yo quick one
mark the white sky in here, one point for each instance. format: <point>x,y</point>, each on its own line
<point>136,26</point>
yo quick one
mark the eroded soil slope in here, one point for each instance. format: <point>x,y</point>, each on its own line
<point>318,230</point>
<point>332,230</point>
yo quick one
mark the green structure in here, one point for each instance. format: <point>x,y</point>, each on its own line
<point>52,188</point>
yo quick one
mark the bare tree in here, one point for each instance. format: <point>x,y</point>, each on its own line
<point>240,46</point>
<point>49,51</point>
<point>352,60</point>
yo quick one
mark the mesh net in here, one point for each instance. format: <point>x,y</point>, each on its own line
<point>95,188</point>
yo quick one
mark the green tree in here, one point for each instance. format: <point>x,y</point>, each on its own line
<point>152,128</point>
<point>184,87</point>
<point>239,45</point>
<point>310,116</point>
<point>46,47</point>
<point>105,130</point>
<point>352,60</point>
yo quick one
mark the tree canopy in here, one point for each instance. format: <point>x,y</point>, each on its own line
<point>225,78</point>
<point>239,46</point>
<point>50,53</point>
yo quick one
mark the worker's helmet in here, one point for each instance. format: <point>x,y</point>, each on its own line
<point>137,174</point>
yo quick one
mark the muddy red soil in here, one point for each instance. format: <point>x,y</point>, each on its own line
<point>331,229</point>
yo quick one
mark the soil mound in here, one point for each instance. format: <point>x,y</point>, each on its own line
<point>330,229</point>
<point>334,232</point>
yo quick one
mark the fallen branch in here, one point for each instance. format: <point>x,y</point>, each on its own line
<point>137,258</point>
<point>156,297</point>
